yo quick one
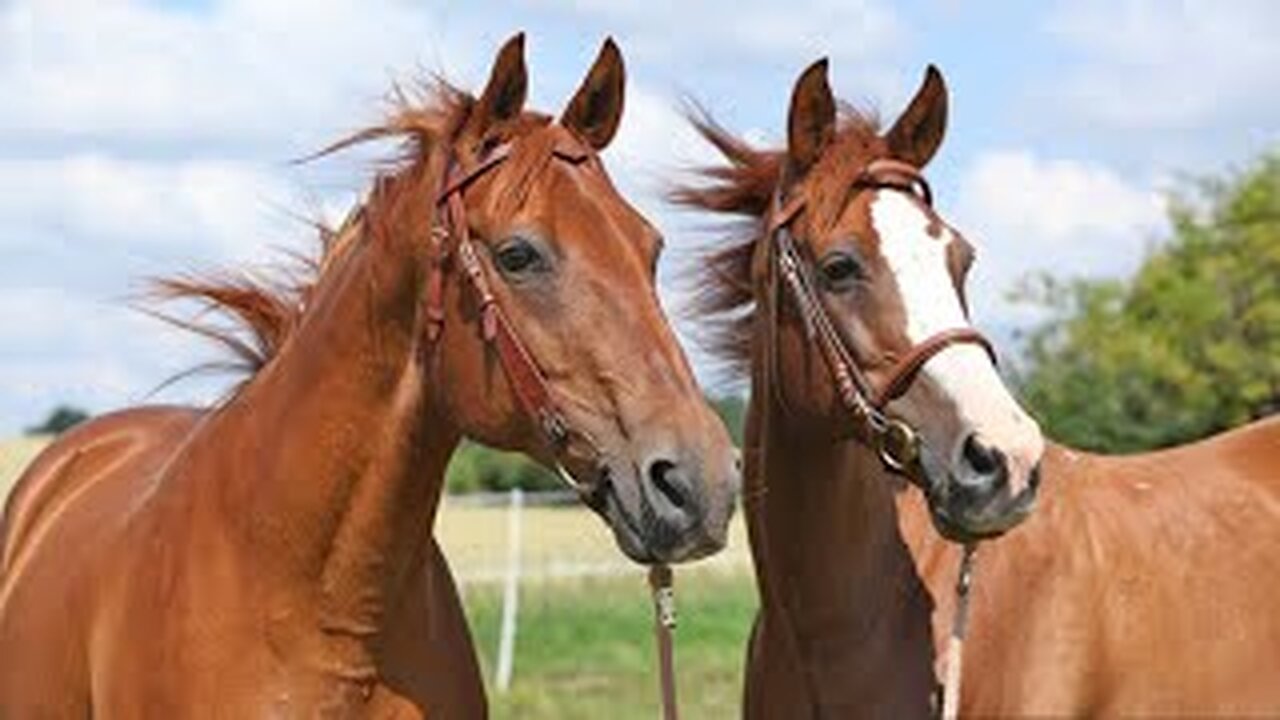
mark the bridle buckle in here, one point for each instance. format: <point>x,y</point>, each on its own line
<point>898,445</point>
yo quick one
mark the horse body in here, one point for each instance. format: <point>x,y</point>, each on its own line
<point>1139,585</point>
<point>205,566</point>
<point>273,556</point>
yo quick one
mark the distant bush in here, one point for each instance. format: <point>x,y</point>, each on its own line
<point>61,419</point>
<point>478,468</point>
<point>732,409</point>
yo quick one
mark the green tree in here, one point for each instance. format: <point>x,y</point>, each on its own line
<point>1187,347</point>
<point>61,418</point>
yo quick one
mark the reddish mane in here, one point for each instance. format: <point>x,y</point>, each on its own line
<point>252,314</point>
<point>723,300</point>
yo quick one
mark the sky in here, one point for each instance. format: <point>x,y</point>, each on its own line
<point>146,137</point>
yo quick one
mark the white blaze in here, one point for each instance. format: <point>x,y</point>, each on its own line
<point>962,375</point>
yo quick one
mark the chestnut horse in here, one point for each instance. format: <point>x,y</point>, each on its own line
<point>273,557</point>
<point>1142,585</point>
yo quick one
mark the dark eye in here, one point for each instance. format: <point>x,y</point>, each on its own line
<point>518,256</point>
<point>841,270</point>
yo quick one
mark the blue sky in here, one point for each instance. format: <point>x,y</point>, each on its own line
<point>140,137</point>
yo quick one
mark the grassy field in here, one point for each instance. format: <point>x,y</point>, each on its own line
<point>558,542</point>
<point>14,456</point>
<point>584,648</point>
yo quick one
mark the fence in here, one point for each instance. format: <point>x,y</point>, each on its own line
<point>517,538</point>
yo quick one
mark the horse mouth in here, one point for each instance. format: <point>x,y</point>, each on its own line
<point>642,535</point>
<point>965,525</point>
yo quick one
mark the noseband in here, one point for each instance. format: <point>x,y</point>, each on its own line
<point>525,377</point>
<point>895,442</point>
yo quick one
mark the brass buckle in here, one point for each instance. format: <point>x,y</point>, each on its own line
<point>897,445</point>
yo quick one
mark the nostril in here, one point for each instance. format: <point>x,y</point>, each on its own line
<point>664,476</point>
<point>982,458</point>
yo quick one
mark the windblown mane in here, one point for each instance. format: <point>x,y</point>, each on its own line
<point>723,301</point>
<point>252,314</point>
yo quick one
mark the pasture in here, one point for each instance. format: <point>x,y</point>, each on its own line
<point>584,641</point>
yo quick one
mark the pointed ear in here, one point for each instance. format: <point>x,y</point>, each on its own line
<point>596,109</point>
<point>812,121</point>
<point>916,135</point>
<point>504,95</point>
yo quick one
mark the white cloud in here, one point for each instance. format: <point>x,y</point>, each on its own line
<point>1072,218</point>
<point>1150,65</point>
<point>675,30</point>
<point>217,208</point>
<point>96,354</point>
<point>284,71</point>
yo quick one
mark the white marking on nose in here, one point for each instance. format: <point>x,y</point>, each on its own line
<point>963,373</point>
<point>918,262</point>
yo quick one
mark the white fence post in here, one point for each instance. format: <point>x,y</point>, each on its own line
<point>511,596</point>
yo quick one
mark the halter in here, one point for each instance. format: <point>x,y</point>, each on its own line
<point>526,378</point>
<point>895,442</point>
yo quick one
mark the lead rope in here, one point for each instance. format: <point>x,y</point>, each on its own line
<point>955,646</point>
<point>664,622</point>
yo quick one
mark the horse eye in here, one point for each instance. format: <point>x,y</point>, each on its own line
<point>840,270</point>
<point>518,256</point>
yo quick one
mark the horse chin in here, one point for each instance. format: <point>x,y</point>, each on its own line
<point>966,525</point>
<point>640,537</point>
<point>625,526</point>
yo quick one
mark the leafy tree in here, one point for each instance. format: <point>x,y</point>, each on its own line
<point>62,418</point>
<point>1187,347</point>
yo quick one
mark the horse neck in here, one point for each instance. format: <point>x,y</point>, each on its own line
<point>333,455</point>
<point>838,581</point>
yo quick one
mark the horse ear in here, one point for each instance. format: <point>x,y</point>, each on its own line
<point>812,121</point>
<point>596,109</point>
<point>916,135</point>
<point>504,95</point>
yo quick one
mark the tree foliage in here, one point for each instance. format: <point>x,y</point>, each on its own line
<point>61,418</point>
<point>1187,347</point>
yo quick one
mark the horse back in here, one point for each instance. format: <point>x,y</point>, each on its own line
<point>1141,585</point>
<point>56,526</point>
<point>107,445</point>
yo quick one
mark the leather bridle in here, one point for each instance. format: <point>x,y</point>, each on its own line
<point>895,442</point>
<point>451,236</point>
<point>526,378</point>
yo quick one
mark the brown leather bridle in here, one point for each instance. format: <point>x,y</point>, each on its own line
<point>895,442</point>
<point>526,378</point>
<point>523,373</point>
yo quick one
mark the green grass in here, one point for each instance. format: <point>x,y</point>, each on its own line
<point>585,648</point>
